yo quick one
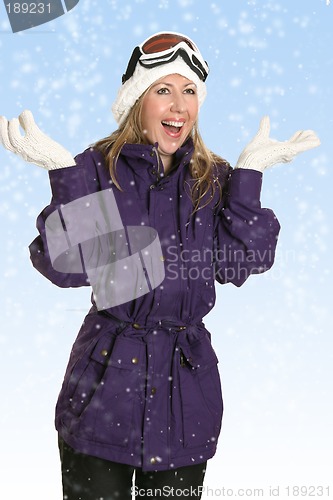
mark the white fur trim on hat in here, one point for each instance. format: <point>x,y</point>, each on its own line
<point>143,78</point>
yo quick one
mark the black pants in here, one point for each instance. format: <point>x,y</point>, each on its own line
<point>89,478</point>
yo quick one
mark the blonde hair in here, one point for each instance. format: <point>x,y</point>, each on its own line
<point>204,166</point>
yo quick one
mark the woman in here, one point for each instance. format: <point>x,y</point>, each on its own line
<point>150,218</point>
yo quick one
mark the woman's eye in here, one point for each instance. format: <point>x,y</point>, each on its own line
<point>163,90</point>
<point>190,91</point>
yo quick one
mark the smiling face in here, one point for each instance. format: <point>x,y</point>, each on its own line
<point>169,111</point>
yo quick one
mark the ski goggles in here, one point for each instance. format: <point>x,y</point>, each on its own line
<point>164,48</point>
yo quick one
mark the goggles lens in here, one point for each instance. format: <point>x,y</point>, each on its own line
<point>165,41</point>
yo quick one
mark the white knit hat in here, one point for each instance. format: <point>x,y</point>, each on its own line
<point>143,78</point>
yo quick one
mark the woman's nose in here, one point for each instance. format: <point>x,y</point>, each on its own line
<point>178,104</point>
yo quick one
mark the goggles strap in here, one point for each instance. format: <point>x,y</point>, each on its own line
<point>136,54</point>
<point>193,62</point>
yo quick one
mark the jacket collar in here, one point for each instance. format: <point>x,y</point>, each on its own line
<point>144,153</point>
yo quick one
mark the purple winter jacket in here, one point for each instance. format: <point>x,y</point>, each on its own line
<point>142,385</point>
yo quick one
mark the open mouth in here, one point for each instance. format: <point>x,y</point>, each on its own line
<point>173,127</point>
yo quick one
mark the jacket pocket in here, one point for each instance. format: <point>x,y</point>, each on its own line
<point>201,394</point>
<point>106,403</point>
<point>88,374</point>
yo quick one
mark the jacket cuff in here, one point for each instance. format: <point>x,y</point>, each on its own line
<point>67,184</point>
<point>245,184</point>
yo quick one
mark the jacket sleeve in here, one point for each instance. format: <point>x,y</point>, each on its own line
<point>67,184</point>
<point>245,233</point>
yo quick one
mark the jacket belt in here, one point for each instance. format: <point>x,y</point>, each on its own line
<point>166,323</point>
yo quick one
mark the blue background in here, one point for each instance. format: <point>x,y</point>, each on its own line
<point>273,335</point>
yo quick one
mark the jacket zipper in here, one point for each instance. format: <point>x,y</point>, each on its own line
<point>182,360</point>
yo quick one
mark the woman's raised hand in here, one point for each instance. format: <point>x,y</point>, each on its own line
<point>34,146</point>
<point>263,152</point>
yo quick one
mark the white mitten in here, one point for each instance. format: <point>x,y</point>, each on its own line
<point>263,152</point>
<point>34,146</point>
